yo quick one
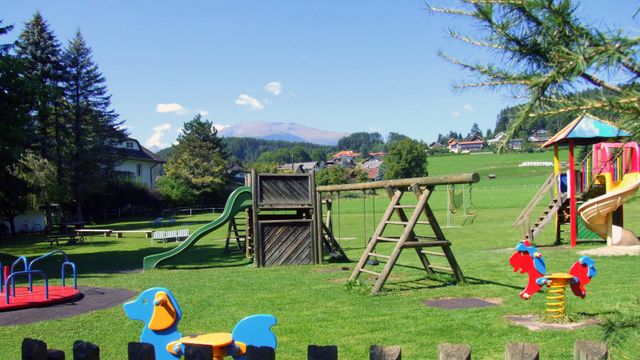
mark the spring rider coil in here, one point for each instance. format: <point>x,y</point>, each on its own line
<point>528,260</point>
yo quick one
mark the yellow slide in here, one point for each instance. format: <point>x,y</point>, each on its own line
<point>597,212</point>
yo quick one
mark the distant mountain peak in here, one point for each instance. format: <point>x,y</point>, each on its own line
<point>287,131</point>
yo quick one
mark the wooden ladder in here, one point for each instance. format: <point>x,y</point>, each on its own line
<point>408,239</point>
<point>237,228</point>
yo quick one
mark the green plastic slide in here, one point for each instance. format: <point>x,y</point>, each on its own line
<point>239,200</point>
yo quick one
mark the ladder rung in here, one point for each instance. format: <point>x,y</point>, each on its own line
<point>421,244</point>
<point>370,272</point>
<point>403,206</point>
<point>432,253</point>
<point>379,255</point>
<point>441,268</point>
<point>380,238</point>
<point>406,222</point>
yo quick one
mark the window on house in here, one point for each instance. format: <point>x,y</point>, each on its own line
<point>139,170</point>
<point>129,145</point>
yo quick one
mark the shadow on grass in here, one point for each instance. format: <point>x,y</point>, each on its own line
<point>105,261</point>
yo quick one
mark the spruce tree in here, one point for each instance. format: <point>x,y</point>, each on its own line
<point>94,126</point>
<point>39,51</point>
<point>199,159</point>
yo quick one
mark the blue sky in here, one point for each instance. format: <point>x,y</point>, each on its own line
<point>333,64</point>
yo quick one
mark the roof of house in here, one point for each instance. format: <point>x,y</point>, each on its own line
<point>472,142</point>
<point>142,154</point>
<point>346,153</point>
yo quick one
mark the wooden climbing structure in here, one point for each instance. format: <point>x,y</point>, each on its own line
<point>409,217</point>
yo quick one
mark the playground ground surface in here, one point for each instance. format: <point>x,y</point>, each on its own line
<point>314,305</point>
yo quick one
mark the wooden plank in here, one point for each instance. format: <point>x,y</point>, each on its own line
<point>198,352</point>
<point>522,351</point>
<point>380,352</point>
<point>454,352</point>
<point>259,353</point>
<point>317,352</point>
<point>590,350</point>
<point>85,351</point>
<point>399,183</point>
<point>141,351</point>
<point>257,249</point>
<point>34,349</point>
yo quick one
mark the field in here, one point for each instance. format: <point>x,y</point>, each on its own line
<point>314,305</point>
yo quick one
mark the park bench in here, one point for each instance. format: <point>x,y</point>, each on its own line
<point>177,235</point>
<point>120,233</point>
<point>69,238</point>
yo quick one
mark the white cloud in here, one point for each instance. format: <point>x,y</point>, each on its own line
<point>220,127</point>
<point>455,114</point>
<point>468,107</point>
<point>252,103</point>
<point>203,112</point>
<point>274,87</point>
<point>156,137</point>
<point>171,108</point>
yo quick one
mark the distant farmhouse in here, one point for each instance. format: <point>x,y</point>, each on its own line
<point>540,136</point>
<point>464,146</point>
<point>140,163</point>
<point>514,144</point>
<point>301,167</point>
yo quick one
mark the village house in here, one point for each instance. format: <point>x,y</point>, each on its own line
<point>140,164</point>
<point>474,144</point>
<point>540,136</point>
<point>514,144</point>
<point>301,167</point>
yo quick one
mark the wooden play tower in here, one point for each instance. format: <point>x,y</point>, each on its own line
<point>408,217</point>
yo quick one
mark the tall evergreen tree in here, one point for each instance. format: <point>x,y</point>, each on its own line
<point>94,126</point>
<point>39,51</point>
<point>16,102</point>
<point>199,159</point>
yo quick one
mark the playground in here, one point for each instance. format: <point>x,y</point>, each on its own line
<point>316,304</point>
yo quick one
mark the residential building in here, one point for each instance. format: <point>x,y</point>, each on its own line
<point>540,136</point>
<point>140,164</point>
<point>462,146</point>
<point>302,167</point>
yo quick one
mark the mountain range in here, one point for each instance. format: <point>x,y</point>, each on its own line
<point>286,131</point>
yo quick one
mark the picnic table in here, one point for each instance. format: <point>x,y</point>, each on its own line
<point>70,239</point>
<point>81,233</point>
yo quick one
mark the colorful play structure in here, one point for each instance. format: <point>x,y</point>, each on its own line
<point>158,309</point>
<point>528,260</point>
<point>608,176</point>
<point>19,297</point>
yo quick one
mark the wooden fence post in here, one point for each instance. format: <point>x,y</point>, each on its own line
<point>198,352</point>
<point>454,352</point>
<point>317,352</point>
<point>521,351</point>
<point>380,352</point>
<point>260,353</point>
<point>33,349</point>
<point>589,350</point>
<point>141,351</point>
<point>85,351</point>
<point>53,354</point>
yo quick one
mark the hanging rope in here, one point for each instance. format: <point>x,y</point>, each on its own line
<point>339,211</point>
<point>364,217</point>
<point>471,208</point>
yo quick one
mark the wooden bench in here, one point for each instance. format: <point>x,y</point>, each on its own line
<point>70,239</point>
<point>120,233</point>
<point>177,235</point>
<point>105,232</point>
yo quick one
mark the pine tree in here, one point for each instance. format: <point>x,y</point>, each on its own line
<point>543,51</point>
<point>199,159</point>
<point>39,51</point>
<point>94,126</point>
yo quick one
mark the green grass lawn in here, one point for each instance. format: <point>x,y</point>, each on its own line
<point>314,305</point>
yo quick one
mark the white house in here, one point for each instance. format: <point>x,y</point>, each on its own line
<point>140,163</point>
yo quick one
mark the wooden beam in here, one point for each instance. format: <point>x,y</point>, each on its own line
<point>421,181</point>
